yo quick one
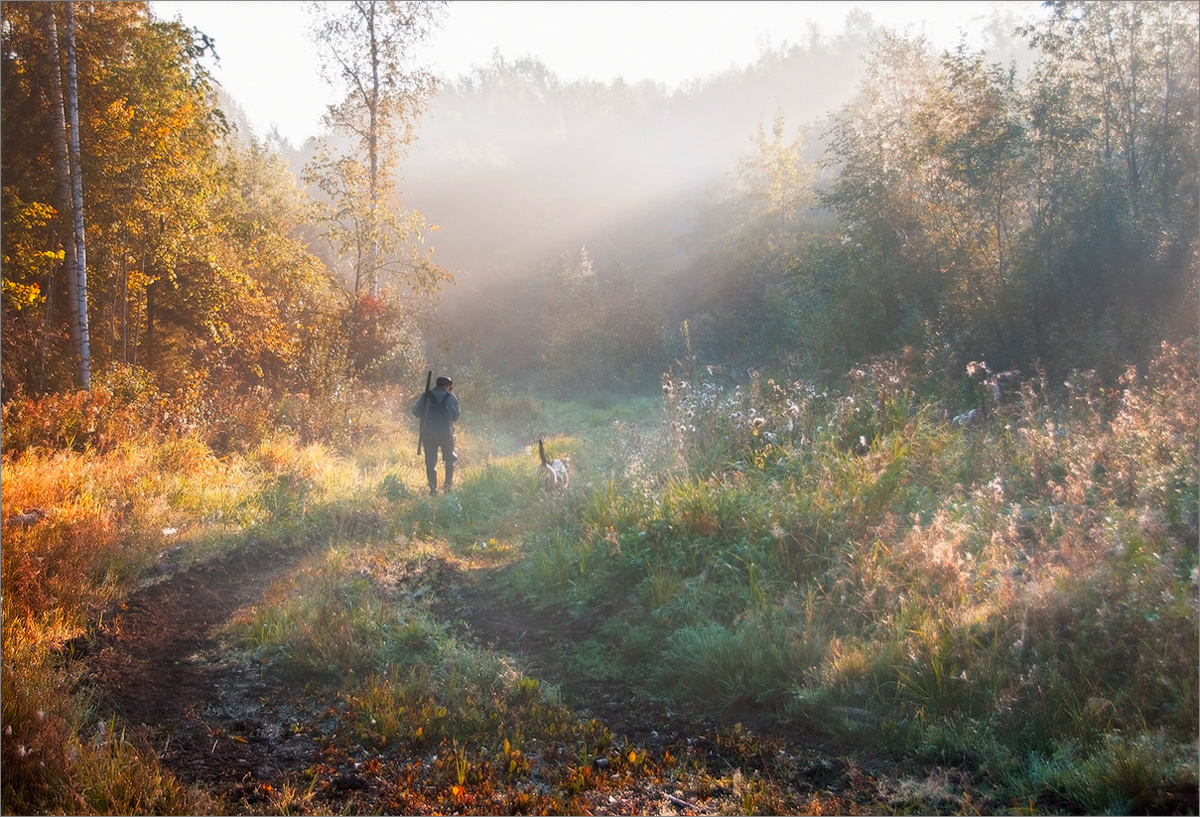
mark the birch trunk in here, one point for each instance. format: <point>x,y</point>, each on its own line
<point>62,167</point>
<point>81,292</point>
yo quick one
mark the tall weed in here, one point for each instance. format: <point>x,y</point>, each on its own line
<point>82,530</point>
<point>1026,574</point>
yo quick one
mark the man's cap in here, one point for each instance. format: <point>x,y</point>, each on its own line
<point>445,381</point>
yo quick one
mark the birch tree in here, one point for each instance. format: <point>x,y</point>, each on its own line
<point>367,49</point>
<point>69,197</point>
<point>81,288</point>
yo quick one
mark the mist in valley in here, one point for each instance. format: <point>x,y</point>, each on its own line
<point>874,363</point>
<point>628,190</point>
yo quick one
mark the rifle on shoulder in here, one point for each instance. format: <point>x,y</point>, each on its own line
<point>425,417</point>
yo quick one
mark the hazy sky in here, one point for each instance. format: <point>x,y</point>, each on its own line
<point>268,63</point>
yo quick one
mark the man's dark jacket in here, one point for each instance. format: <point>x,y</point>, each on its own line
<point>443,412</point>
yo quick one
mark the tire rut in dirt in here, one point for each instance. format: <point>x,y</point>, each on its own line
<point>157,666</point>
<point>542,639</point>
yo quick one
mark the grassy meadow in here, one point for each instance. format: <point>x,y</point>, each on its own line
<point>1011,593</point>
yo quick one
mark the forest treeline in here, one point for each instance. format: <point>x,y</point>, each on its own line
<point>952,598</point>
<point>214,284</point>
<point>955,209</point>
<point>1032,205</point>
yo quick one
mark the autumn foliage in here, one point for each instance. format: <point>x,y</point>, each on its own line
<point>892,444</point>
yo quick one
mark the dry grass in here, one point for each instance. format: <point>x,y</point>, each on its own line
<point>1025,586</point>
<point>1018,596</point>
<point>98,501</point>
<point>106,521</point>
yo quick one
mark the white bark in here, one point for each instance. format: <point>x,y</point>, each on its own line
<point>81,292</point>
<point>62,167</point>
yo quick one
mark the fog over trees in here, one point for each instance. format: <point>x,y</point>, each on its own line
<point>854,194</point>
<point>537,182</point>
<point>875,362</point>
<point>614,216</point>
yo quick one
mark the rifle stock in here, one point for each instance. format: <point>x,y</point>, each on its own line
<point>425,417</point>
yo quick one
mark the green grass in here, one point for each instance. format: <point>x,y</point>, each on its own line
<point>1018,597</point>
<point>998,591</point>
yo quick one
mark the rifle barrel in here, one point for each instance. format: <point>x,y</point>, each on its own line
<point>425,417</point>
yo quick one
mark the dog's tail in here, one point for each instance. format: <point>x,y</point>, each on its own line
<point>542,452</point>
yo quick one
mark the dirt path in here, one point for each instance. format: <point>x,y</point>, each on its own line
<point>541,639</point>
<point>157,666</point>
<point>243,733</point>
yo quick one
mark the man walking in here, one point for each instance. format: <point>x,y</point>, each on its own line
<point>438,410</point>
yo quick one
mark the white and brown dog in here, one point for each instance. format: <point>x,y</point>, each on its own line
<point>555,473</point>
